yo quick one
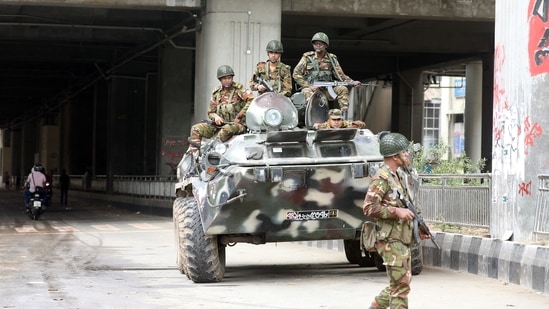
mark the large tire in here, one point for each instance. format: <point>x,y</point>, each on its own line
<point>178,211</point>
<point>417,259</point>
<point>378,260</point>
<point>354,254</point>
<point>203,256</point>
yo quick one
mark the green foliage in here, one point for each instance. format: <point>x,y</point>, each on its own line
<point>430,161</point>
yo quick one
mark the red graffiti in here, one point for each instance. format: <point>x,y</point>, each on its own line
<point>525,187</point>
<point>172,154</point>
<point>173,142</point>
<point>532,131</point>
<point>538,37</point>
<point>499,91</point>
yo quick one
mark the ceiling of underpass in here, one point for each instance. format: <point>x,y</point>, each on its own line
<point>48,54</point>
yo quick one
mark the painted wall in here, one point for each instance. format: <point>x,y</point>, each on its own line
<point>519,114</point>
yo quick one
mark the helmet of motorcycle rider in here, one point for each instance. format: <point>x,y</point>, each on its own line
<point>275,47</point>
<point>322,37</point>
<point>37,167</point>
<point>391,144</point>
<point>224,70</point>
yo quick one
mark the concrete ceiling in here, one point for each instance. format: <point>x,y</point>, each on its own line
<point>48,53</point>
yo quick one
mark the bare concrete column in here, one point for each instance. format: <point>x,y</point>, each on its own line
<point>473,110</point>
<point>521,89</point>
<point>408,105</point>
<point>234,33</point>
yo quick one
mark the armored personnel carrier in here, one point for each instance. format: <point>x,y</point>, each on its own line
<point>276,183</point>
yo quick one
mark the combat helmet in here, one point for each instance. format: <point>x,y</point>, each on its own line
<point>275,47</point>
<point>322,37</point>
<point>391,144</point>
<point>224,70</point>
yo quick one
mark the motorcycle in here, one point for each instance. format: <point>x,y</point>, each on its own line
<point>37,204</point>
<point>48,194</point>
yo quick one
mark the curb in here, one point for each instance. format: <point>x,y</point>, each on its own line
<point>520,264</point>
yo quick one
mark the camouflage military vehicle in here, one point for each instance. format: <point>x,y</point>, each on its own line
<point>277,183</point>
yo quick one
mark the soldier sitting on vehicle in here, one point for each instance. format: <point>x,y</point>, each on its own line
<point>227,109</point>
<point>321,66</point>
<point>335,121</point>
<point>272,73</point>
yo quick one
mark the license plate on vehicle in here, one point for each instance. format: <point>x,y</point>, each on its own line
<point>37,204</point>
<point>311,215</point>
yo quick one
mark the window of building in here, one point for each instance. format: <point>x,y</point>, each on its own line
<point>431,123</point>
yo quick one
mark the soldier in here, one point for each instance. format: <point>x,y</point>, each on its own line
<point>229,102</point>
<point>335,121</point>
<point>273,71</point>
<point>319,65</point>
<point>394,232</point>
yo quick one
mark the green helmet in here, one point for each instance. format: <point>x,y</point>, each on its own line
<point>224,70</point>
<point>391,144</point>
<point>322,37</point>
<point>275,47</point>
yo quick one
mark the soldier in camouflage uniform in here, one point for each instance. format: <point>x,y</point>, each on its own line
<point>335,121</point>
<point>320,65</point>
<point>229,102</point>
<point>276,73</point>
<point>394,222</point>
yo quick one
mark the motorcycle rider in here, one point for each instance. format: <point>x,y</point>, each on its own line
<point>48,192</point>
<point>34,180</point>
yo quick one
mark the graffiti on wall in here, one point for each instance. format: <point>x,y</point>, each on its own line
<point>172,150</point>
<point>538,37</point>
<point>515,129</point>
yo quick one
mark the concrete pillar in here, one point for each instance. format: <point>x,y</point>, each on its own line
<point>520,109</point>
<point>234,33</point>
<point>473,110</point>
<point>408,105</point>
<point>176,88</point>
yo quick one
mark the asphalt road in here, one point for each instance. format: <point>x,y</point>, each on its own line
<point>95,256</point>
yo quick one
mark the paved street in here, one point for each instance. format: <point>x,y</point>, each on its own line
<point>95,256</point>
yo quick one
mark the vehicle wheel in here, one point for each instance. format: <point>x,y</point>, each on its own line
<point>178,210</point>
<point>354,254</point>
<point>203,256</point>
<point>378,261</point>
<point>417,259</point>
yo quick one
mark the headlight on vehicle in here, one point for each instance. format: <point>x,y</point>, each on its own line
<point>272,117</point>
<point>220,148</point>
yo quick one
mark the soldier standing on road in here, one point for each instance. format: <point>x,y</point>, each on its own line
<point>335,121</point>
<point>276,73</point>
<point>320,65</point>
<point>229,102</point>
<point>394,231</point>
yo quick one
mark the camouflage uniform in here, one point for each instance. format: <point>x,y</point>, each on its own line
<point>394,237</point>
<point>280,79</point>
<point>344,124</point>
<point>310,69</point>
<point>228,103</point>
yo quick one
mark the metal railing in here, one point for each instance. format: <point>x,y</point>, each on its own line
<point>463,199</point>
<point>541,228</point>
<point>443,198</point>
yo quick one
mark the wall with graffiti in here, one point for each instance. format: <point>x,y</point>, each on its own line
<point>521,64</point>
<point>172,150</point>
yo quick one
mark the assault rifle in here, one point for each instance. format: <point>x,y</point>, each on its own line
<point>264,83</point>
<point>419,224</point>
<point>330,86</point>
